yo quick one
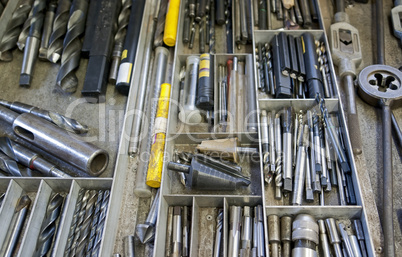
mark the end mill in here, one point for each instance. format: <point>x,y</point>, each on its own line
<point>66,79</point>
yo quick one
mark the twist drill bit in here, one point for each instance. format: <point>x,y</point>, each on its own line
<point>101,223</point>
<point>48,229</point>
<point>12,33</point>
<point>94,224</point>
<point>54,117</point>
<point>9,166</point>
<point>160,27</point>
<point>218,234</point>
<point>47,29</point>
<point>29,158</point>
<point>73,226</point>
<point>59,30</point>
<point>278,161</point>
<point>32,42</point>
<point>122,23</point>
<point>70,58</point>
<point>78,224</point>
<point>85,226</point>
<point>22,38</point>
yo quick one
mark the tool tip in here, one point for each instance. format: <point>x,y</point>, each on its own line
<point>54,57</point>
<point>25,80</point>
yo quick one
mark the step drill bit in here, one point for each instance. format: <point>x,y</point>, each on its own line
<point>16,226</point>
<point>59,30</point>
<point>32,42</point>
<point>66,79</point>
<point>48,229</point>
<point>94,223</point>
<point>9,166</point>
<point>29,158</point>
<point>85,227</point>
<point>101,223</point>
<point>59,120</point>
<point>122,24</point>
<point>13,31</point>
<point>47,29</point>
<point>74,222</point>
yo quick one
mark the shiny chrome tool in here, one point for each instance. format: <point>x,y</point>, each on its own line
<point>287,149</point>
<point>58,142</point>
<point>78,215</point>
<point>177,232</point>
<point>345,239</point>
<point>61,121</point>
<point>9,166</point>
<point>129,246</point>
<point>94,224</point>
<point>146,231</point>
<point>279,158</point>
<point>304,235</point>
<point>234,231</point>
<point>29,158</point>
<point>47,29</point>
<point>186,231</point>
<point>22,38</point>
<point>101,223</point>
<point>218,235</point>
<point>334,236</point>
<point>300,173</point>
<point>246,233</point>
<point>324,239</point>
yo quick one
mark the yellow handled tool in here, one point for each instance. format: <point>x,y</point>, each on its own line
<point>154,174</point>
<point>172,19</point>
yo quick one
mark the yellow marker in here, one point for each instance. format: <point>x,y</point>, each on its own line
<point>172,19</point>
<point>154,173</point>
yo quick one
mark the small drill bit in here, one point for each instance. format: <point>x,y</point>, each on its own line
<point>160,27</point>
<point>59,30</point>
<point>48,229</point>
<point>9,165</point>
<point>85,226</point>
<point>59,120</point>
<point>70,59</point>
<point>47,29</point>
<point>94,224</point>
<point>122,24</point>
<point>12,33</point>
<point>74,222</point>
<point>278,161</point>
<point>22,38</point>
<point>101,223</point>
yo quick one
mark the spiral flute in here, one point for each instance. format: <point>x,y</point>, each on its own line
<point>101,223</point>
<point>122,23</point>
<point>160,27</point>
<point>278,160</point>
<point>9,165</point>
<point>66,79</point>
<point>85,226</point>
<point>55,47</point>
<point>22,38</point>
<point>74,222</point>
<point>94,224</point>
<point>10,38</point>
<point>48,229</point>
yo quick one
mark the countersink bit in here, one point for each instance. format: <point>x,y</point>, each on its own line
<point>70,59</point>
<point>48,229</point>
<point>47,29</point>
<point>101,223</point>
<point>59,30</point>
<point>146,231</point>
<point>160,26</point>
<point>9,166</point>
<point>94,223</point>
<point>54,117</point>
<point>80,219</point>
<point>86,223</point>
<point>12,33</point>
<point>122,24</point>
<point>74,222</point>
<point>32,42</point>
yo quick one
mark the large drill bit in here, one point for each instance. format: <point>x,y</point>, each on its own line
<point>86,224</point>
<point>48,229</point>
<point>29,158</point>
<point>22,38</point>
<point>59,30</point>
<point>101,223</point>
<point>47,29</point>
<point>94,225</point>
<point>70,58</point>
<point>12,33</point>
<point>54,117</point>
<point>160,27</point>
<point>122,23</point>
<point>74,222</point>
<point>32,42</point>
<point>9,166</point>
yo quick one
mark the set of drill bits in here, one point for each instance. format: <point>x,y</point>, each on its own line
<point>311,237</point>
<point>204,15</point>
<point>178,231</point>
<point>304,155</point>
<point>85,235</point>
<point>293,67</point>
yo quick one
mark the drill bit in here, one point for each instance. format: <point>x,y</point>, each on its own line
<point>160,27</point>
<point>70,59</point>
<point>85,226</point>
<point>29,158</point>
<point>74,222</point>
<point>12,33</point>
<point>122,23</point>
<point>32,42</point>
<point>47,29</point>
<point>48,229</point>
<point>9,166</point>
<point>218,234</point>
<point>2,196</point>
<point>22,38</point>
<point>101,223</point>
<point>59,120</point>
<point>59,30</point>
<point>78,224</point>
<point>278,161</point>
<point>94,224</point>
